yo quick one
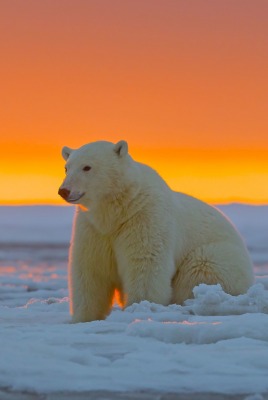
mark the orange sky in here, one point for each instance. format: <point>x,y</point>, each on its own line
<point>185,82</point>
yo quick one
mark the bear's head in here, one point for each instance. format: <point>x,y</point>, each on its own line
<point>94,171</point>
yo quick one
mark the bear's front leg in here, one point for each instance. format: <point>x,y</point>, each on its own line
<point>90,275</point>
<point>145,265</point>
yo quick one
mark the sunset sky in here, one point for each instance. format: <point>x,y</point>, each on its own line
<point>185,82</point>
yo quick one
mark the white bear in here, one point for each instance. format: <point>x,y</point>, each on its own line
<point>133,234</point>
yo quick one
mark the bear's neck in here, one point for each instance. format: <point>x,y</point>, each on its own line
<point>114,210</point>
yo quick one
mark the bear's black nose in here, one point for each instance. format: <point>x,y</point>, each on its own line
<point>64,193</point>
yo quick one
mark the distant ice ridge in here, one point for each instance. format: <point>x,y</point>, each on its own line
<point>252,223</point>
<point>36,224</point>
<point>35,233</point>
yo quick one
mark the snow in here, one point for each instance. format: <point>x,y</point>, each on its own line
<point>215,342</point>
<point>35,224</point>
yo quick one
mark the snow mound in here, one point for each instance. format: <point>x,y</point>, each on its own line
<point>179,326</point>
<point>212,300</point>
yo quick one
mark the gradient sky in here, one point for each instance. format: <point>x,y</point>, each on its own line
<point>184,82</point>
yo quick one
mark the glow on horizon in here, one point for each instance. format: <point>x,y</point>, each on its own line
<point>210,175</point>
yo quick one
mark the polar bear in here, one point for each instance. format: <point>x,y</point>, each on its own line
<point>133,234</point>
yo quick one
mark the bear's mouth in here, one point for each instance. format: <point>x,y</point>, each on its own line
<point>76,199</point>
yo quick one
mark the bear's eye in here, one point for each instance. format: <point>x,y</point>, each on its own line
<point>87,168</point>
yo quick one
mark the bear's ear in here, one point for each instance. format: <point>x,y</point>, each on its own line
<point>66,151</point>
<point>121,148</point>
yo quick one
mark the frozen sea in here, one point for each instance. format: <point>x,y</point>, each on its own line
<point>214,343</point>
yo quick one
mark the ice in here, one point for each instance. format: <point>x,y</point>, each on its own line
<point>35,224</point>
<point>252,222</point>
<point>212,300</point>
<point>20,282</point>
<point>147,346</point>
<point>215,342</point>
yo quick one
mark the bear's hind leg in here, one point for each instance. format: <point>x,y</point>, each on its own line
<point>223,263</point>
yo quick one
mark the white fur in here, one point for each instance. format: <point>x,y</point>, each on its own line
<point>141,238</point>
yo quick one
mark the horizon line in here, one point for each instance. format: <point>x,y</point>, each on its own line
<point>28,203</point>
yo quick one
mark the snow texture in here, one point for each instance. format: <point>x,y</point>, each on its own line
<point>213,343</point>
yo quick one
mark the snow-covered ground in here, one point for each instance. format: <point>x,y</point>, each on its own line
<point>214,343</point>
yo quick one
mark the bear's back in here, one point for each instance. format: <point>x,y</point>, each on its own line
<point>202,222</point>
